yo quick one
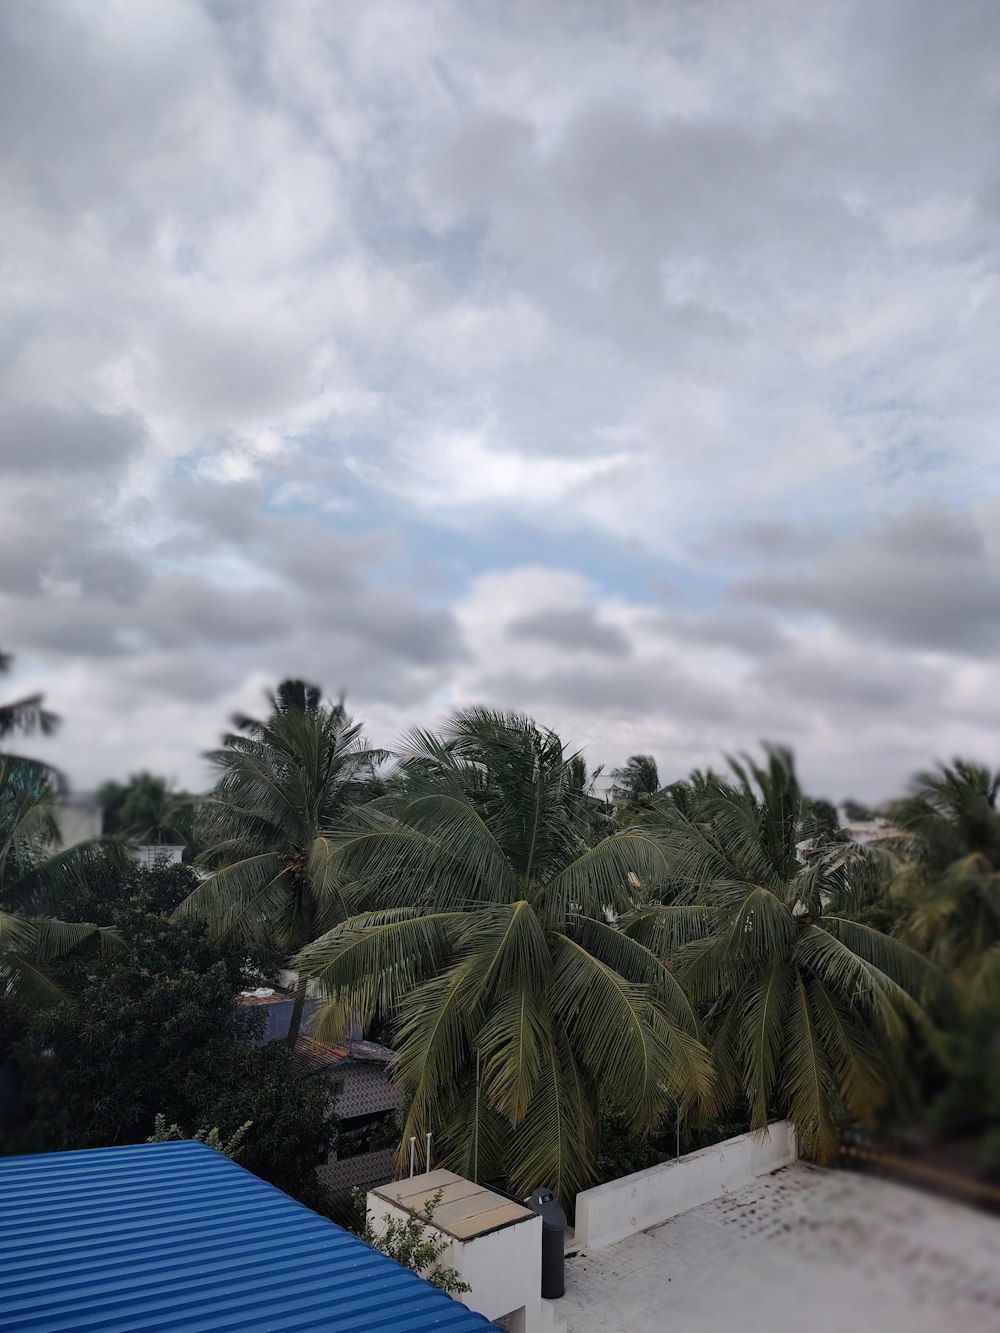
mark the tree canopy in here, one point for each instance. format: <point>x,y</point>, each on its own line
<point>283,783</point>
<point>155,1030</point>
<point>807,1009</point>
<point>487,931</point>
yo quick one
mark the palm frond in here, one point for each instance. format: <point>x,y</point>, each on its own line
<point>246,900</point>
<point>635,962</point>
<point>557,1139</point>
<point>370,962</point>
<point>608,877</point>
<point>763,1007</point>
<point>811,1086</point>
<point>667,931</point>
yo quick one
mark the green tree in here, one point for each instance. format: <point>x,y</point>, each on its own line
<point>283,785</point>
<point>155,1030</point>
<point>635,785</point>
<point>27,715</point>
<point>947,872</point>
<point>35,874</point>
<point>808,1010</point>
<point>145,810</point>
<point>489,939</point>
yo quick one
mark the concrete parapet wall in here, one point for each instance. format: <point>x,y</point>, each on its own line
<point>608,1213</point>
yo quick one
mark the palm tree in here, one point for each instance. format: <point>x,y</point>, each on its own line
<point>283,784</point>
<point>34,874</point>
<point>947,866</point>
<point>24,715</point>
<point>144,810</point>
<point>807,1009</point>
<point>490,941</point>
<point>634,786</point>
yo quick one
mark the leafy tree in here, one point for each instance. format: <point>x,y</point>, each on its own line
<point>412,1243</point>
<point>155,1030</point>
<point>283,784</point>
<point>948,872</point>
<point>808,1010</point>
<point>488,936</point>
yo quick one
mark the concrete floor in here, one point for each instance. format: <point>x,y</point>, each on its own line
<point>804,1249</point>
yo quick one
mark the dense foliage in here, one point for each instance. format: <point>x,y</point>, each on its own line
<point>283,784</point>
<point>808,1010</point>
<point>485,931</point>
<point>35,874</point>
<point>146,810</point>
<point>155,1030</point>
<point>567,980</point>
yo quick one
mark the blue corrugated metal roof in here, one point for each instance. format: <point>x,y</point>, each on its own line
<point>162,1236</point>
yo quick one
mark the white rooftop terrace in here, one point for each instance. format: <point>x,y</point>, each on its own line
<point>804,1248</point>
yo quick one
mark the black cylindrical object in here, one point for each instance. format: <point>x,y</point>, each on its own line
<point>547,1206</point>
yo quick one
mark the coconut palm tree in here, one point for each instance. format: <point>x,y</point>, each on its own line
<point>146,811</point>
<point>489,939</point>
<point>634,786</point>
<point>24,715</point>
<point>283,784</point>
<point>947,866</point>
<point>807,1010</point>
<point>34,874</point>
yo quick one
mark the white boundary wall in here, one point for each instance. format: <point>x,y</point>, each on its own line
<point>634,1203</point>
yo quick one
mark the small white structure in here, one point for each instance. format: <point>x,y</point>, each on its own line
<point>153,854</point>
<point>493,1243</point>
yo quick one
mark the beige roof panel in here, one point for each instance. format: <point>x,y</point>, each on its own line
<point>465,1210</point>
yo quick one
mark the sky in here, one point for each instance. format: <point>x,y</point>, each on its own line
<point>632,365</point>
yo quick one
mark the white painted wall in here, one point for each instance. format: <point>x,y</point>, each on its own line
<point>620,1208</point>
<point>151,855</point>
<point>503,1268</point>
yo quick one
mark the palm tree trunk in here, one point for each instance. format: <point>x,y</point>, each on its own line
<point>307,921</point>
<point>297,1007</point>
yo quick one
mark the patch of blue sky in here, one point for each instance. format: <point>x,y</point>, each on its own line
<point>456,251</point>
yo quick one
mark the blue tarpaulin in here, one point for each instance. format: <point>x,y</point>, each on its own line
<point>174,1236</point>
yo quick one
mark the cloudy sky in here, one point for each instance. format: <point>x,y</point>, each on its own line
<point>634,365</point>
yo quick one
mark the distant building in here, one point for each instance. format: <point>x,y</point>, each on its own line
<point>79,819</point>
<point>152,854</point>
<point>872,831</point>
<point>362,1095</point>
<point>359,1078</point>
<point>276,1004</point>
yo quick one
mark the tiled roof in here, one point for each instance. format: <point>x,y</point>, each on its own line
<point>174,1236</point>
<point>318,1052</point>
<point>324,1053</point>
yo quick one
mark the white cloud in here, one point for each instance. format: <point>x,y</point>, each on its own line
<point>614,287</point>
